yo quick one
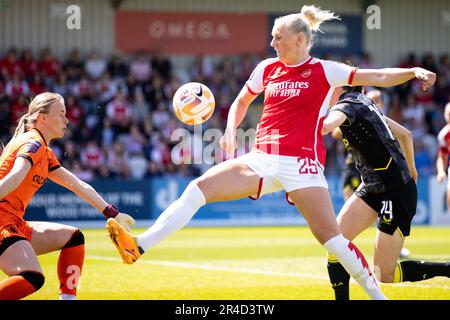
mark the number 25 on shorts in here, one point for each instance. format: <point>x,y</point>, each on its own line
<point>307,166</point>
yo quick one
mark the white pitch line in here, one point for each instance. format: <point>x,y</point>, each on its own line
<point>213,268</point>
<point>252,271</point>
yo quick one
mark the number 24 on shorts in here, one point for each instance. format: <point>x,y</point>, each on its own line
<point>307,166</point>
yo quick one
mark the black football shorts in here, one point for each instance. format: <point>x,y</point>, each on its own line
<point>395,208</point>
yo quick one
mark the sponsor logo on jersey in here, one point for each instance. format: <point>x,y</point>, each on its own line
<point>292,85</point>
<point>287,88</point>
<point>38,179</point>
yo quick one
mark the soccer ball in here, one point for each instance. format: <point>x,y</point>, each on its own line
<point>193,103</point>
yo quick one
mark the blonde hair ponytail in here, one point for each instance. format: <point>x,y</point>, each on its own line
<point>21,126</point>
<point>40,104</point>
<point>309,19</point>
<point>314,16</point>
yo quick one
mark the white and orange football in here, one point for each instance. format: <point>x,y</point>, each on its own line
<point>193,103</point>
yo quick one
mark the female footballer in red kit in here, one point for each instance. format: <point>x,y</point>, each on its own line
<point>288,152</point>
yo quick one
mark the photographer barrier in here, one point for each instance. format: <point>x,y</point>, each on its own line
<point>55,203</point>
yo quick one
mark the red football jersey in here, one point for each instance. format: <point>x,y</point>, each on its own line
<point>296,100</point>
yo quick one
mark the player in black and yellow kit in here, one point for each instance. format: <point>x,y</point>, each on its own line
<point>384,156</point>
<point>351,178</point>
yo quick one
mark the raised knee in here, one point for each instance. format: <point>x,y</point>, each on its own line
<point>194,193</point>
<point>199,183</point>
<point>36,279</point>
<point>76,239</point>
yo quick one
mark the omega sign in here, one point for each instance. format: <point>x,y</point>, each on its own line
<point>191,33</point>
<point>205,30</point>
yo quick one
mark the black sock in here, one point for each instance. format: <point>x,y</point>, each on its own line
<point>421,270</point>
<point>339,279</point>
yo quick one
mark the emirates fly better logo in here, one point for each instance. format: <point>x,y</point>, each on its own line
<point>287,88</point>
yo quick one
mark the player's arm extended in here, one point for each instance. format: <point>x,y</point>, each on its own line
<point>404,137</point>
<point>389,77</point>
<point>335,119</point>
<point>236,114</point>
<point>441,162</point>
<point>15,177</point>
<point>67,179</point>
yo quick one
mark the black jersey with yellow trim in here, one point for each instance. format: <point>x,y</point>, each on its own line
<point>367,136</point>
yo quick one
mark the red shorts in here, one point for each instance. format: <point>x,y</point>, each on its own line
<point>13,226</point>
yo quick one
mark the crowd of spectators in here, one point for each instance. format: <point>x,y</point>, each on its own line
<point>120,109</point>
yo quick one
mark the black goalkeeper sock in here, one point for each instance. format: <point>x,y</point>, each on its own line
<point>421,270</point>
<point>339,279</point>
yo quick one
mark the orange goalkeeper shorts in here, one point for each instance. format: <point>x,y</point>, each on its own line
<point>13,226</point>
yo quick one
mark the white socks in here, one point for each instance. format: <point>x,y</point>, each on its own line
<point>65,296</point>
<point>175,217</point>
<point>179,213</point>
<point>356,265</point>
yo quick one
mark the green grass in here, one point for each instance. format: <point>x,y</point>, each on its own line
<point>236,263</point>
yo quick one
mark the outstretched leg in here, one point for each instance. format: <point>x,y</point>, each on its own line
<point>229,180</point>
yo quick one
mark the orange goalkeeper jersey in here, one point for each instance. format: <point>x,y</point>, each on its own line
<point>32,146</point>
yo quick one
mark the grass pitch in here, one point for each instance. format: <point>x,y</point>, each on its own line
<point>255,263</point>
